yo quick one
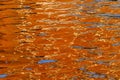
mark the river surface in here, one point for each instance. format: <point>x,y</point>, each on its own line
<point>59,39</point>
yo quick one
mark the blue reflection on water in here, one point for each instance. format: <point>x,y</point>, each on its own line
<point>116,44</point>
<point>110,15</point>
<point>82,69</point>
<point>46,61</point>
<point>3,75</point>
<point>98,0</point>
<point>95,75</point>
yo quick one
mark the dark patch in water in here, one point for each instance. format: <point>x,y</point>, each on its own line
<point>3,67</point>
<point>28,69</point>
<point>113,0</point>
<point>2,50</point>
<point>39,56</point>
<point>26,7</point>
<point>77,47</point>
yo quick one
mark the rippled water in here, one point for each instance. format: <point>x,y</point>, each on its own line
<point>59,39</point>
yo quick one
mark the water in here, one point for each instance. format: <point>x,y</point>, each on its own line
<point>46,61</point>
<point>3,75</point>
<point>59,39</point>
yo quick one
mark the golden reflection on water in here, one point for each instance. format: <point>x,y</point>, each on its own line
<point>59,40</point>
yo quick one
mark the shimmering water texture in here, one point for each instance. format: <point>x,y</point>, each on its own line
<point>59,39</point>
